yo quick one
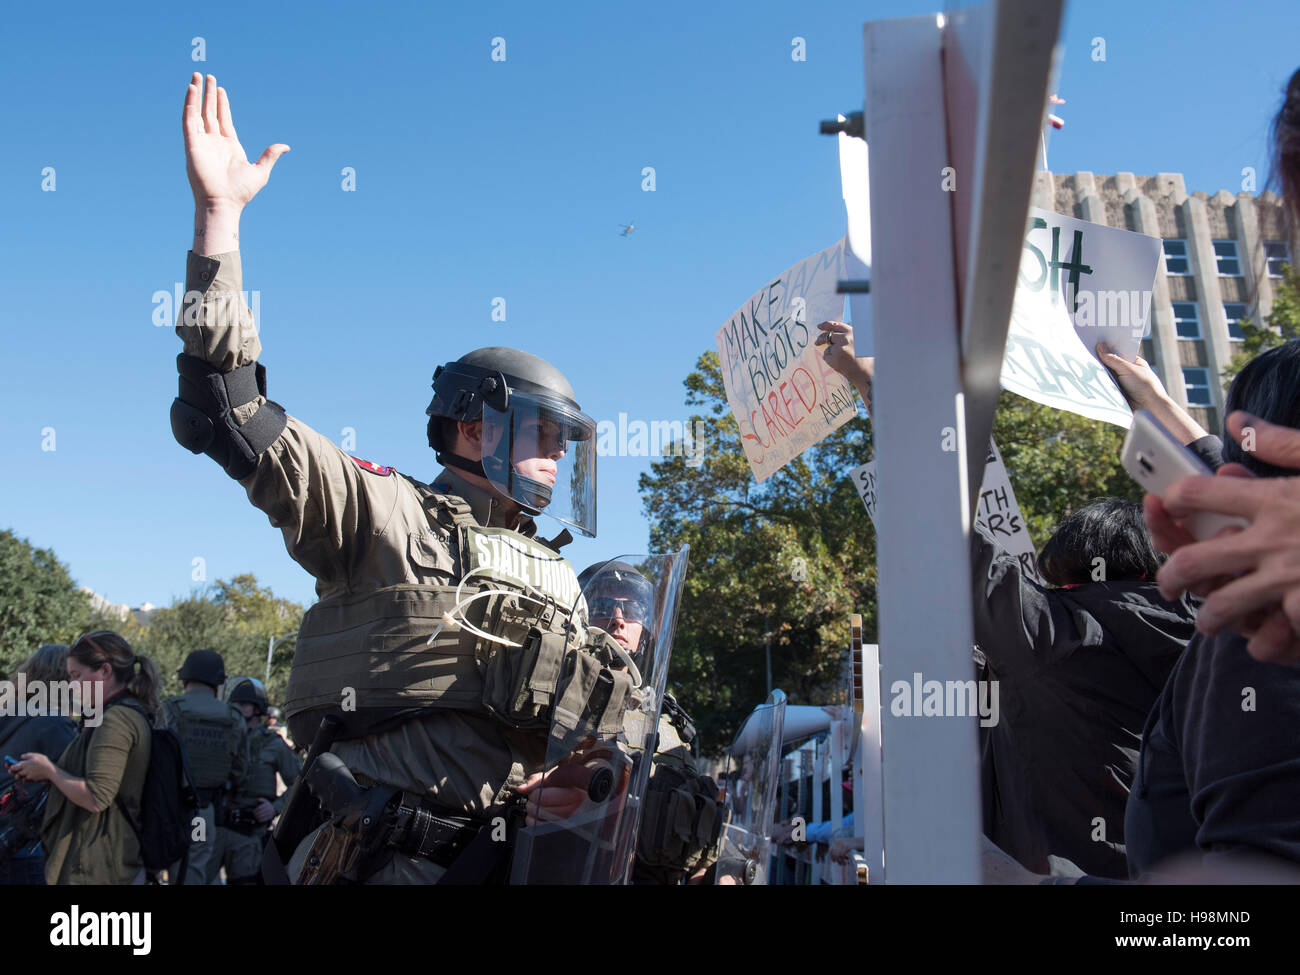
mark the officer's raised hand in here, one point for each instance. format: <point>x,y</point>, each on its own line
<point>221,177</point>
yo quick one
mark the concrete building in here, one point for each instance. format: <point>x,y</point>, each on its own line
<point>120,611</point>
<point>1222,259</point>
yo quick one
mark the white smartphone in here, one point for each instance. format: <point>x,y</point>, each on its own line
<point>1155,459</point>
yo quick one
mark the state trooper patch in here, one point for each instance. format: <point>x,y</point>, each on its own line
<point>366,465</point>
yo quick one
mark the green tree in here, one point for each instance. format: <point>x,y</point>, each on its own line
<point>235,618</point>
<point>744,537</point>
<point>39,602</point>
<point>744,586</point>
<point>1058,461</point>
<point>1283,325</point>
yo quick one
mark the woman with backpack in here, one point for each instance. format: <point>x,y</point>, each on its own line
<point>98,781</point>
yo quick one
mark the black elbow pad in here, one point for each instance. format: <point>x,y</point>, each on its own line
<point>203,420</point>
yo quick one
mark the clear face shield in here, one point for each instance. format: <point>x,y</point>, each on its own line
<point>751,786</point>
<point>541,452</point>
<point>583,812</point>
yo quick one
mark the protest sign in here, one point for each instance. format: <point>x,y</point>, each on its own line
<point>998,510</point>
<point>783,394</point>
<point>1080,283</point>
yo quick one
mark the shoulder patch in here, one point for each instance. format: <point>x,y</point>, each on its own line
<point>366,465</point>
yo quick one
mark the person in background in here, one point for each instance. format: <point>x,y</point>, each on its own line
<point>46,734</point>
<point>98,780</point>
<point>1077,664</point>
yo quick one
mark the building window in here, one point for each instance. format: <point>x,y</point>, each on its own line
<point>1225,252</point>
<point>1196,380</point>
<point>1186,322</point>
<point>1235,312</point>
<point>1277,253</point>
<point>1176,257</point>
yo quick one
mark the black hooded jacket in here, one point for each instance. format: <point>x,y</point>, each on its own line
<point>1078,670</point>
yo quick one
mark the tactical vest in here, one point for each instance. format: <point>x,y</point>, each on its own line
<point>211,732</point>
<point>681,822</point>
<point>260,781</point>
<point>367,657</point>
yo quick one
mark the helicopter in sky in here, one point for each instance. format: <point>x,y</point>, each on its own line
<point>626,229</point>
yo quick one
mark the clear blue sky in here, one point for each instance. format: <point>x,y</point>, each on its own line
<point>475,179</point>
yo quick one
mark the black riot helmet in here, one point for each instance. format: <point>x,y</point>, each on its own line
<point>249,689</point>
<point>611,585</point>
<point>529,413</point>
<point>204,666</point>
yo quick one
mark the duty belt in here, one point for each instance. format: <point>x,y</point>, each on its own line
<point>419,831</point>
<point>385,817</point>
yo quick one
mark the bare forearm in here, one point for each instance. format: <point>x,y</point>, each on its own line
<point>216,229</point>
<point>75,789</point>
<point>1176,420</point>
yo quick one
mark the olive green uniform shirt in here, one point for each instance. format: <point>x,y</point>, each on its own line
<point>356,530</point>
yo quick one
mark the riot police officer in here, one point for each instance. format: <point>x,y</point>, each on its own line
<point>212,734</point>
<point>430,593</point>
<point>679,826</point>
<point>250,808</point>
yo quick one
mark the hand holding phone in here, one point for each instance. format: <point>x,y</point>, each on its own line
<point>1155,459</point>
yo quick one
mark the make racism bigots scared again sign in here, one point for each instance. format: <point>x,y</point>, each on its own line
<point>783,394</point>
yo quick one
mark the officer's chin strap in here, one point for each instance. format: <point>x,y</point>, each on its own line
<point>448,459</point>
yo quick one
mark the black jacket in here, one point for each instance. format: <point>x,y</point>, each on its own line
<point>1220,766</point>
<point>1078,670</point>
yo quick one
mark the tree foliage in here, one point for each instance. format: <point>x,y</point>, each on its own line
<point>235,618</point>
<point>744,586</point>
<point>1282,326</point>
<point>744,538</point>
<point>39,602</point>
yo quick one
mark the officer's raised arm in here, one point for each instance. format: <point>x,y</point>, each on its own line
<point>307,486</point>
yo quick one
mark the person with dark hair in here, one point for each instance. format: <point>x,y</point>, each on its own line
<point>98,780</point>
<point>47,734</point>
<point>1220,764</point>
<point>1077,666</point>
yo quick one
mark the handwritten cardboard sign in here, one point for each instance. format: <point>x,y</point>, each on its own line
<point>1080,283</point>
<point>784,396</point>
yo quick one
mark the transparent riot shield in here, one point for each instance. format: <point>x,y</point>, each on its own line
<point>751,788</point>
<point>583,810</point>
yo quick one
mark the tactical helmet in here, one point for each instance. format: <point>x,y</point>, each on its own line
<point>204,666</point>
<point>251,690</point>
<point>525,403</point>
<point>605,583</point>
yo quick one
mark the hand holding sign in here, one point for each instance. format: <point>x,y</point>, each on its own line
<point>1144,391</point>
<point>836,338</point>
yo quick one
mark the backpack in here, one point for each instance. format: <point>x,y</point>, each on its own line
<point>22,809</point>
<point>167,805</point>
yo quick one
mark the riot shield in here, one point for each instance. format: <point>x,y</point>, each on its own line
<point>583,810</point>
<point>751,788</point>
